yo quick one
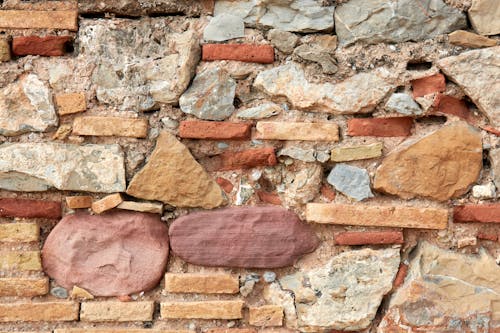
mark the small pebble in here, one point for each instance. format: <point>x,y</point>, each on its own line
<point>222,145</point>
<point>59,292</point>
<point>269,277</point>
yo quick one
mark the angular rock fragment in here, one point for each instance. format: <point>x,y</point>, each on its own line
<point>265,110</point>
<point>26,106</point>
<point>173,176</point>
<point>469,39</point>
<point>358,94</point>
<point>477,72</point>
<point>282,40</point>
<point>257,237</point>
<point>351,181</point>
<point>224,27</point>
<point>210,96</point>
<point>113,254</point>
<point>484,16</point>
<point>346,293</point>
<point>40,166</point>
<point>404,104</point>
<point>394,21</point>
<point>441,165</point>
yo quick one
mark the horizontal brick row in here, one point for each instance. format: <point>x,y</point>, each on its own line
<point>43,311</point>
<point>297,131</point>
<point>116,311</point>
<point>214,130</point>
<point>26,287</point>
<point>245,159</point>
<point>19,232</point>
<point>111,126</point>
<point>369,238</point>
<point>28,208</point>
<point>487,213</point>
<point>380,127</point>
<point>202,310</point>
<point>117,330</point>
<point>263,54</point>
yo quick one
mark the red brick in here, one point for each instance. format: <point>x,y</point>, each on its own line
<point>44,46</point>
<point>400,276</point>
<point>225,184</point>
<point>245,159</point>
<point>491,236</point>
<point>428,85</point>
<point>214,130</point>
<point>28,208</point>
<point>328,192</point>
<point>451,105</point>
<point>268,197</point>
<point>383,127</point>
<point>369,238</point>
<point>489,213</point>
<point>263,54</point>
<point>491,130</point>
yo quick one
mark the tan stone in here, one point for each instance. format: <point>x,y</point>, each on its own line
<point>19,232</point>
<point>343,154</point>
<point>268,130</point>
<point>202,310</point>
<point>202,283</point>
<point>25,287</point>
<point>107,203</point>
<point>495,309</point>
<point>173,176</point>
<point>484,16</point>
<point>62,132</point>
<point>80,293</point>
<point>30,19</point>
<point>441,165</point>
<point>117,330</point>
<point>20,260</point>
<point>470,39</point>
<point>145,207</point>
<point>111,126</point>
<point>267,315</point>
<point>378,216</point>
<point>117,311</point>
<point>79,201</point>
<point>70,103</point>
<point>46,311</point>
<point>4,50</point>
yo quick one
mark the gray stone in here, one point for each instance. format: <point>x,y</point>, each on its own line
<point>351,181</point>
<point>41,166</point>
<point>394,21</point>
<point>139,64</point>
<point>269,276</point>
<point>495,165</point>
<point>210,96</point>
<point>224,27</point>
<point>282,40</point>
<point>306,155</point>
<point>358,94</point>
<point>311,53</point>
<point>26,106</point>
<point>287,15</point>
<point>59,292</point>
<point>346,293</point>
<point>404,104</point>
<point>262,111</point>
<point>477,72</point>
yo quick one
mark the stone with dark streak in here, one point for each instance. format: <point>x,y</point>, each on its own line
<point>256,237</point>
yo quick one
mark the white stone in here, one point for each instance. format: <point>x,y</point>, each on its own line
<point>224,27</point>
<point>306,155</point>
<point>262,111</point>
<point>486,191</point>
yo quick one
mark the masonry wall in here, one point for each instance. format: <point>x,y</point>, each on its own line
<point>249,166</point>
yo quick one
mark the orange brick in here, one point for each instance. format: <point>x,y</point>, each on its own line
<point>24,287</point>
<point>202,283</point>
<point>368,237</point>
<point>400,276</point>
<point>245,159</point>
<point>70,103</point>
<point>202,310</point>
<point>271,130</point>
<point>116,311</point>
<point>46,311</point>
<point>428,85</point>
<point>214,130</point>
<point>107,203</point>
<point>43,46</point>
<point>232,330</point>
<point>79,201</point>
<point>487,213</point>
<point>28,208</point>
<point>263,54</point>
<point>29,19</point>
<point>380,127</point>
<point>269,197</point>
<point>225,184</point>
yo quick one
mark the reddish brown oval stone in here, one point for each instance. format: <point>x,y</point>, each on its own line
<point>250,237</point>
<point>111,254</point>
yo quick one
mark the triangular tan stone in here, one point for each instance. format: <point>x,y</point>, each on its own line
<point>173,176</point>
<point>442,165</point>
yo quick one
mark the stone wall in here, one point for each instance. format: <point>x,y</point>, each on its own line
<point>249,166</point>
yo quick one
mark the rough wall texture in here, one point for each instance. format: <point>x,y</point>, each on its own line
<point>249,166</point>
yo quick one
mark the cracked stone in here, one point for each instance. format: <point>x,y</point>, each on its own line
<point>283,40</point>
<point>224,27</point>
<point>404,104</point>
<point>302,186</point>
<point>351,181</point>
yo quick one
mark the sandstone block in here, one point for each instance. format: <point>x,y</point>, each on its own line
<point>111,126</point>
<point>470,39</point>
<point>43,46</point>
<point>19,232</point>
<point>381,127</point>
<point>262,54</point>
<point>30,19</point>
<point>144,207</point>
<point>45,311</point>
<point>4,50</point>
<point>202,310</point>
<point>116,311</point>
<point>70,103</point>
<point>344,154</point>
<point>428,85</point>
<point>245,159</point>
<point>266,315</point>
<point>214,130</point>
<point>368,238</point>
<point>79,201</point>
<point>20,260</point>
<point>297,131</point>
<point>107,203</point>
<point>485,213</point>
<point>24,287</point>
<point>484,16</point>
<point>202,283</point>
<point>378,216</point>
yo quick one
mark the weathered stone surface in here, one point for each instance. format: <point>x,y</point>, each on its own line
<point>261,54</point>
<point>477,72</point>
<point>29,208</point>
<point>44,46</point>
<point>351,181</point>
<point>395,21</point>
<point>216,283</point>
<point>117,311</point>
<point>214,130</point>
<point>441,165</point>
<point>210,96</point>
<point>378,216</point>
<point>70,103</point>
<point>113,254</point>
<point>303,185</point>
<point>444,291</point>
<point>144,207</point>
<point>19,232</point>
<point>358,94</point>
<point>202,310</point>
<point>344,154</point>
<point>306,155</point>
<point>485,213</point>
<point>259,237</point>
<point>224,27</point>
<point>320,50</point>
<point>266,315</point>
<point>495,165</point>
<point>381,127</point>
<point>265,110</point>
<point>20,261</point>
<point>294,15</point>
<point>26,106</point>
<point>346,293</point>
<point>40,311</point>
<point>283,40</point>
<point>4,50</point>
<point>40,166</point>
<point>107,203</point>
<point>24,287</point>
<point>33,19</point>
<point>470,39</point>
<point>484,15</point>
<point>368,237</point>
<point>125,74</point>
<point>111,126</point>
<point>173,176</point>
<point>144,7</point>
<point>268,130</point>
<point>404,104</point>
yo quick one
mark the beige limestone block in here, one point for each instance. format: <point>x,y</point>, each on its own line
<point>203,283</point>
<point>43,311</point>
<point>268,130</point>
<point>70,103</point>
<point>80,293</point>
<point>24,287</point>
<point>117,311</point>
<point>145,207</point>
<point>111,126</point>
<point>79,201</point>
<point>202,310</point>
<point>20,260</point>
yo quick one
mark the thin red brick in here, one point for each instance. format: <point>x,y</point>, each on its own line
<point>428,85</point>
<point>44,46</point>
<point>269,197</point>
<point>328,192</point>
<point>263,54</point>
<point>489,213</point>
<point>491,130</point>
<point>382,127</point>
<point>225,184</point>
<point>214,130</point>
<point>452,105</point>
<point>400,276</point>
<point>28,208</point>
<point>369,238</point>
<point>491,236</point>
<point>245,159</point>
